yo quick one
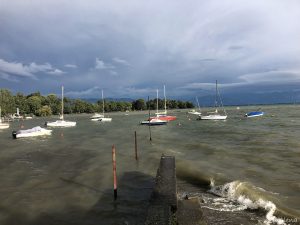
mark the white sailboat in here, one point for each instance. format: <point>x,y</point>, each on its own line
<point>17,116</point>
<point>3,125</point>
<point>104,119</point>
<point>61,122</point>
<point>194,112</point>
<point>163,115</point>
<point>96,117</point>
<point>215,115</point>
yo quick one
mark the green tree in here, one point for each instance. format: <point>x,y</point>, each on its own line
<point>79,106</point>
<point>69,106</point>
<point>139,104</point>
<point>44,111</point>
<point>181,105</point>
<point>190,105</point>
<point>7,102</point>
<point>34,103</point>
<point>54,103</point>
<point>21,103</point>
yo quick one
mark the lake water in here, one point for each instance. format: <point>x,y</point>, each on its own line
<point>245,170</point>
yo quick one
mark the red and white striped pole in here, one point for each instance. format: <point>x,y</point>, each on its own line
<point>114,172</point>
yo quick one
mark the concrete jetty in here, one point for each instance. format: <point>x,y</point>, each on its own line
<point>165,208</point>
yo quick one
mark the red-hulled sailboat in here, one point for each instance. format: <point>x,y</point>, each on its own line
<point>163,115</point>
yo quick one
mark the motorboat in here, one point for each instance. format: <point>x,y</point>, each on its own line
<point>254,114</point>
<point>33,132</point>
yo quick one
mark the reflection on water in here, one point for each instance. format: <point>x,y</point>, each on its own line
<point>66,178</point>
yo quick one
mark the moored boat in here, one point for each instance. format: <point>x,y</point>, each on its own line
<point>96,117</point>
<point>33,132</point>
<point>163,115</point>
<point>103,118</point>
<point>194,111</point>
<point>215,115</point>
<point>154,122</point>
<point>254,114</point>
<point>61,122</point>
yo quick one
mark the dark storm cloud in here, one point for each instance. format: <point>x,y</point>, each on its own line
<point>134,47</point>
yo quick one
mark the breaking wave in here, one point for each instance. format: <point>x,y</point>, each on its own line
<point>237,196</point>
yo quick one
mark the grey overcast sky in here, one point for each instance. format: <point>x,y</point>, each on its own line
<point>130,48</point>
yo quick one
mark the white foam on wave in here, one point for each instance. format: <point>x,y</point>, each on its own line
<point>233,193</point>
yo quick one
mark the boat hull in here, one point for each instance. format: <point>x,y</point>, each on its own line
<point>96,117</point>
<point>154,122</point>
<point>213,117</point>
<point>61,123</point>
<point>195,113</point>
<point>165,118</point>
<point>4,126</point>
<point>105,119</point>
<point>34,132</point>
<point>254,114</point>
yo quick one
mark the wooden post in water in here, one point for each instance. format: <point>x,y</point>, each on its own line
<point>149,119</point>
<point>114,172</point>
<point>135,146</point>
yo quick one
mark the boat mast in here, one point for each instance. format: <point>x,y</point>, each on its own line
<point>102,103</point>
<point>198,104</point>
<point>165,99</point>
<point>156,101</point>
<point>220,99</point>
<point>216,97</point>
<point>62,102</point>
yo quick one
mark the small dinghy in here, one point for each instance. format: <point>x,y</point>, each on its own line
<point>33,132</point>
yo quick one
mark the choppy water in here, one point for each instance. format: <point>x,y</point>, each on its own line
<point>246,171</point>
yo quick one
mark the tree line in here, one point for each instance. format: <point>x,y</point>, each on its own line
<point>39,105</point>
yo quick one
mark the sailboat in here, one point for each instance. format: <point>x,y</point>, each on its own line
<point>17,115</point>
<point>164,115</point>
<point>3,125</point>
<point>103,118</point>
<point>215,115</point>
<point>96,117</point>
<point>194,112</point>
<point>154,121</point>
<point>61,122</point>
